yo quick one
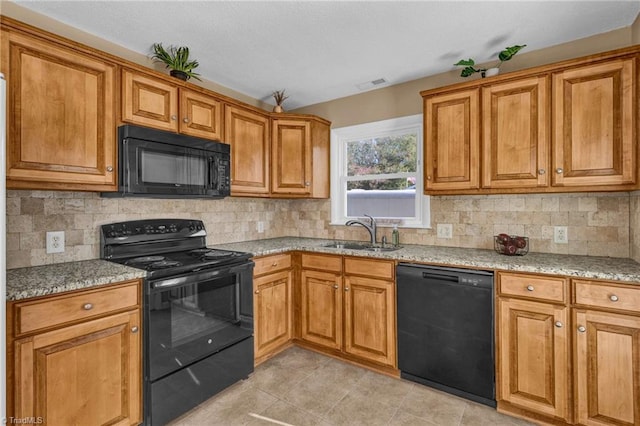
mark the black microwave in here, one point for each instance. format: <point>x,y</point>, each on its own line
<point>159,164</point>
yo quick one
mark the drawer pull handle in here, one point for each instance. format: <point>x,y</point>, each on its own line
<point>87,306</point>
<point>582,329</point>
<point>558,324</point>
<point>134,329</point>
<point>613,298</point>
<point>530,288</point>
<point>335,286</point>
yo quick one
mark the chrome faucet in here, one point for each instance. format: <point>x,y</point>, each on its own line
<point>370,227</point>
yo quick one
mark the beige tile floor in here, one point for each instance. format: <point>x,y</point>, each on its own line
<point>302,388</point>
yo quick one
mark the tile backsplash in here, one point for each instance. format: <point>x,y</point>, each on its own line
<point>599,224</point>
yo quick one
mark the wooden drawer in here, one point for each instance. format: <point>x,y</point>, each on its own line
<point>369,267</point>
<point>273,263</point>
<point>602,295</point>
<point>537,287</point>
<point>57,310</point>
<point>322,262</point>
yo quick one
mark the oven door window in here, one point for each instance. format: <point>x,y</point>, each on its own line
<point>191,321</point>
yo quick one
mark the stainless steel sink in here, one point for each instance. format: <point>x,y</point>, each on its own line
<point>362,246</point>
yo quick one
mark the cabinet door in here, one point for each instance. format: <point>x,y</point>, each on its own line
<point>321,308</point>
<point>369,318</point>
<point>594,124</point>
<point>515,143</point>
<point>200,115</point>
<point>291,157</point>
<point>149,102</point>
<point>533,360</point>
<point>87,374</point>
<point>272,308</point>
<point>607,368</point>
<point>452,141</point>
<point>248,134</point>
<point>60,116</point>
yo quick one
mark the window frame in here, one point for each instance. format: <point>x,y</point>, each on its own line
<point>390,127</point>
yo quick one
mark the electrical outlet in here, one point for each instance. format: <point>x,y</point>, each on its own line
<point>55,242</point>
<point>260,227</point>
<point>560,235</point>
<point>445,230</point>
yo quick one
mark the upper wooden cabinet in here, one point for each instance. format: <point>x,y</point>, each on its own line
<point>563,127</point>
<point>153,102</point>
<point>515,143</point>
<point>300,156</point>
<point>248,134</point>
<point>452,141</point>
<point>60,115</point>
<point>594,117</point>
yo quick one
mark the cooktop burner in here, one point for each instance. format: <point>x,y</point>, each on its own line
<point>164,264</point>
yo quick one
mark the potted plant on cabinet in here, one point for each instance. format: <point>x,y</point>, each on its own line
<point>279,97</point>
<point>505,55</point>
<point>177,59</point>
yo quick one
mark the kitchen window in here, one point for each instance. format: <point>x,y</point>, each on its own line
<point>377,170</point>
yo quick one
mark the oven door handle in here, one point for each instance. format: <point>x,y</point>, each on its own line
<point>176,282</point>
<point>200,276</point>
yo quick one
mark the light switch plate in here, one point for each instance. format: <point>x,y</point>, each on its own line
<point>260,227</point>
<point>445,230</point>
<point>55,242</point>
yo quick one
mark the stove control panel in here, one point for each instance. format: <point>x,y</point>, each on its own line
<point>154,228</point>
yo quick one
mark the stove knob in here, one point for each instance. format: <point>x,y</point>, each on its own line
<point>199,227</point>
<point>191,227</point>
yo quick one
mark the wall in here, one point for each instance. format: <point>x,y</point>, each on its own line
<point>598,224</point>
<point>404,99</point>
<point>27,16</point>
<point>30,214</point>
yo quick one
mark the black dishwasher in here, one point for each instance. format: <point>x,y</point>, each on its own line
<point>445,330</point>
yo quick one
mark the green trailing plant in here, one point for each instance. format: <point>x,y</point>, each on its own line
<point>505,55</point>
<point>175,58</point>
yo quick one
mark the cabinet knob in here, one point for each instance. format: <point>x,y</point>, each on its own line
<point>541,171</point>
<point>307,184</point>
<point>428,177</point>
<point>174,117</point>
<point>559,170</point>
<point>529,287</point>
<point>274,264</point>
<point>335,286</point>
<point>257,292</point>
<point>613,298</point>
<point>109,168</point>
<point>582,329</point>
<point>87,306</point>
<point>186,119</point>
<point>346,289</point>
<point>134,329</point>
<point>558,324</point>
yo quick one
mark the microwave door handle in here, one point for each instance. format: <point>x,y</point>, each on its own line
<point>213,173</point>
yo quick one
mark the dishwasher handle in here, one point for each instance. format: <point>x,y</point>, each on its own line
<point>442,277</point>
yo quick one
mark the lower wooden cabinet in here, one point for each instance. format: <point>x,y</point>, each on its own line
<point>83,372</point>
<point>599,384</point>
<point>350,308</point>
<point>534,356</point>
<point>272,303</point>
<point>607,367</point>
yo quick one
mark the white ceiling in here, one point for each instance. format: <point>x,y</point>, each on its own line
<point>322,50</point>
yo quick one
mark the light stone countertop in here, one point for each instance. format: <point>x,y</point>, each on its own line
<point>607,268</point>
<point>23,283</point>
